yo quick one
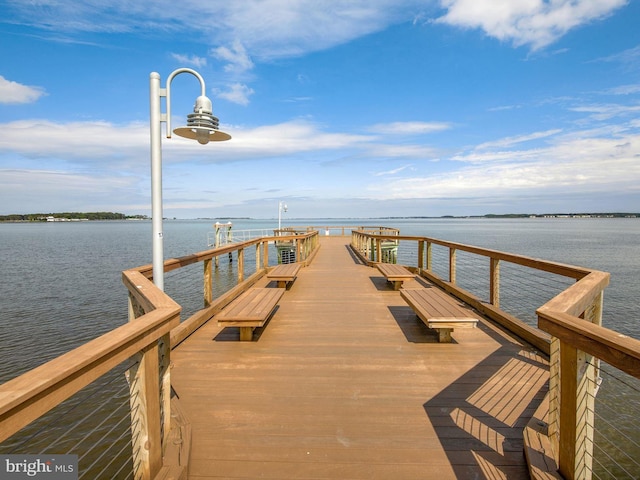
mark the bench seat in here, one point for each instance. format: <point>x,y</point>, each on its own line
<point>435,316</point>
<point>284,274</point>
<point>396,274</point>
<point>250,310</point>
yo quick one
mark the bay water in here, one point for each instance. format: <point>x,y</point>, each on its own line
<point>60,282</point>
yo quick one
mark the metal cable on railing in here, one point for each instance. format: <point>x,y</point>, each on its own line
<point>616,449</point>
<point>524,289</point>
<point>473,274</point>
<point>184,285</point>
<point>96,416</point>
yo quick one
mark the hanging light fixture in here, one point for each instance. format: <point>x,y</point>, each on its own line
<point>201,126</point>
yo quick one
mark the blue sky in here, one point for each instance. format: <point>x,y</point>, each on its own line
<point>340,109</point>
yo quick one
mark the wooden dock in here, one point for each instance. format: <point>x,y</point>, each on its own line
<point>345,382</point>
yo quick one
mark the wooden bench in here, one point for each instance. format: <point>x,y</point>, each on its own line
<point>396,274</point>
<point>250,310</point>
<point>284,274</point>
<point>436,315</point>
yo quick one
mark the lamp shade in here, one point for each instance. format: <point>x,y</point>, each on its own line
<point>201,124</point>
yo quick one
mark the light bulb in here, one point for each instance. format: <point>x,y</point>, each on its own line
<point>202,136</point>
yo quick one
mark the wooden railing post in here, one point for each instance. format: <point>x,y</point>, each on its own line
<point>145,400</point>
<point>568,410</point>
<point>164,352</point>
<point>240,265</point>
<point>265,254</point>
<point>429,256</point>
<point>573,383</point>
<point>378,250</point>
<point>208,282</point>
<point>420,254</point>
<point>494,282</point>
<point>577,404</point>
<point>452,265</point>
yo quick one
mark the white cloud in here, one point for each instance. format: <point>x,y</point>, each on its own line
<point>572,164</point>
<point>409,128</point>
<point>104,143</point>
<point>236,93</point>
<point>236,56</point>
<point>392,172</point>
<point>629,57</point>
<point>607,111</point>
<point>535,23</point>
<point>624,89</point>
<point>509,141</point>
<point>290,138</point>
<point>86,141</point>
<point>267,29</point>
<point>61,190</point>
<point>14,92</point>
<point>192,60</point>
<point>378,150</point>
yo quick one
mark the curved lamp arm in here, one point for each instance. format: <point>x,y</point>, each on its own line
<point>168,91</point>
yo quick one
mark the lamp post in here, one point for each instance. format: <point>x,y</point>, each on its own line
<point>201,126</point>
<point>281,207</point>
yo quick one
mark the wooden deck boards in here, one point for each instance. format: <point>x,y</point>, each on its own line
<point>345,382</point>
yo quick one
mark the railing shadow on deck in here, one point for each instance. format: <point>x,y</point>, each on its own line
<point>478,417</point>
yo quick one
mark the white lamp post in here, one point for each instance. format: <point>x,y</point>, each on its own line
<point>282,207</point>
<point>201,126</point>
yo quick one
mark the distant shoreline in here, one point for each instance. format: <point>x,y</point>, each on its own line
<point>103,216</point>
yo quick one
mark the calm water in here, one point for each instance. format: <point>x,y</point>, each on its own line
<point>60,285</point>
<point>61,282</point>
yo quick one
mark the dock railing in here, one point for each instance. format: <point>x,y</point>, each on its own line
<point>160,434</point>
<point>559,441</point>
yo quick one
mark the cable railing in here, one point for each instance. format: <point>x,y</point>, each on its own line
<point>617,410</point>
<point>94,424</point>
<point>223,233</point>
<point>578,432</point>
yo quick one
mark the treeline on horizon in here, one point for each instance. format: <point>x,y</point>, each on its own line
<point>536,215</point>
<point>42,217</point>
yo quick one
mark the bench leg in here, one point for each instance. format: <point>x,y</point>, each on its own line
<point>282,284</point>
<point>397,284</point>
<point>246,334</point>
<point>444,335</point>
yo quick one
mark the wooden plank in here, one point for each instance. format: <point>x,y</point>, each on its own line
<point>452,322</point>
